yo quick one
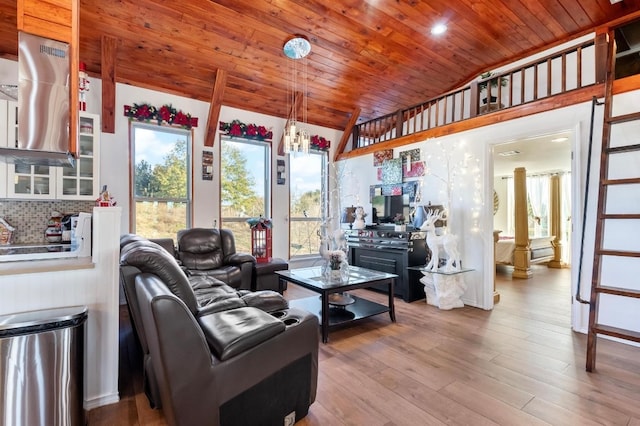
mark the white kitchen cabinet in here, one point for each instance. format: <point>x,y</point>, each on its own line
<point>81,182</point>
<point>26,181</point>
<point>46,182</point>
<point>31,182</point>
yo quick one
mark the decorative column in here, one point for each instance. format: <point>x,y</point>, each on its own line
<point>521,253</point>
<point>555,228</point>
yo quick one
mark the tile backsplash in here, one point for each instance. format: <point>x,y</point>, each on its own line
<point>30,218</point>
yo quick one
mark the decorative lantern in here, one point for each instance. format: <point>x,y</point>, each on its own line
<point>260,239</point>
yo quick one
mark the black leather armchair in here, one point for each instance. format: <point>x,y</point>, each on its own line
<point>212,252</point>
<point>202,294</point>
<point>237,367</point>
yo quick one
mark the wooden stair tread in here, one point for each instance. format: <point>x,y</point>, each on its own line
<point>620,216</point>
<point>621,181</point>
<point>620,333</point>
<point>619,291</point>
<point>622,149</point>
<point>624,118</point>
<point>621,253</point>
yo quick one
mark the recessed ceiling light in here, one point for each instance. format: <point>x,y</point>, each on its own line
<point>508,153</point>
<point>562,139</point>
<point>438,29</point>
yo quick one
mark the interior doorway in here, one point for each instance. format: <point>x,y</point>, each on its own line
<point>543,157</point>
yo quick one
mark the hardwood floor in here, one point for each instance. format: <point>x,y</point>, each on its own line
<point>519,364</point>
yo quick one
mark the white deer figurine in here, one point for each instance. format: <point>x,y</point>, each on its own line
<point>448,242</point>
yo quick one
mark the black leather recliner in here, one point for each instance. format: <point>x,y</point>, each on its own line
<point>212,252</point>
<point>202,294</point>
<point>237,367</point>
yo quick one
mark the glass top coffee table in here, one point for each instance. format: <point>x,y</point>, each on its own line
<point>334,307</point>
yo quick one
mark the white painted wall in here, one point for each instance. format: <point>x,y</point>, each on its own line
<point>500,218</point>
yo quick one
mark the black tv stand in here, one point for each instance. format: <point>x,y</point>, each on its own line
<point>381,248</point>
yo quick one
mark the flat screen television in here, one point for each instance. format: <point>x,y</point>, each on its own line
<point>386,207</point>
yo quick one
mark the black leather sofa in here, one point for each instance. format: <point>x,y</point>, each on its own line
<point>214,354</point>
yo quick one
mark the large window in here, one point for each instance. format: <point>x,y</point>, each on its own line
<point>161,180</point>
<point>308,181</point>
<point>244,186</point>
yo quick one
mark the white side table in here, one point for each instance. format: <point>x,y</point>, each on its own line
<point>443,289</point>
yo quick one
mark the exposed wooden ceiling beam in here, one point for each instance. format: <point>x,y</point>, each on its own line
<point>108,76</point>
<point>346,136</point>
<point>214,106</point>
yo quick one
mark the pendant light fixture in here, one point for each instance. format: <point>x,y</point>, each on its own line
<point>296,137</point>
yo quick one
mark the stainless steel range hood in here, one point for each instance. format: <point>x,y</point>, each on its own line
<point>37,157</point>
<point>43,104</point>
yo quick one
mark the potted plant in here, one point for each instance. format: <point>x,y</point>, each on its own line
<point>486,79</point>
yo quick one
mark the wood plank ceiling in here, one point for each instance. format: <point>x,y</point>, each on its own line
<point>375,56</point>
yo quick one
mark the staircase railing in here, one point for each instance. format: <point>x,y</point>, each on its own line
<point>558,73</point>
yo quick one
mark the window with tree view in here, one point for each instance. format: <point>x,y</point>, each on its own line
<point>308,201</point>
<point>244,186</point>
<point>161,180</point>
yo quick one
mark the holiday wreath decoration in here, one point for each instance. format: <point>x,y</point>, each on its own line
<point>166,114</point>
<point>319,143</point>
<point>238,129</point>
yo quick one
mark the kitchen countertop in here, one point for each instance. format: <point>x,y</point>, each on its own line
<point>50,265</point>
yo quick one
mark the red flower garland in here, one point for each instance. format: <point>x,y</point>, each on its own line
<point>319,143</point>
<point>165,114</point>
<point>237,128</point>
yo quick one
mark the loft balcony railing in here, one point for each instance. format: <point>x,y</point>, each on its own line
<point>558,73</point>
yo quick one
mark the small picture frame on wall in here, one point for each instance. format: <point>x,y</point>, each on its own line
<point>207,165</point>
<point>379,157</point>
<point>280,169</point>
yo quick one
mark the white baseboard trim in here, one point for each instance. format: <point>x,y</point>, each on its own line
<point>90,404</point>
<point>472,303</point>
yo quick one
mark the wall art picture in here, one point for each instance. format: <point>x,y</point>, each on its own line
<point>411,164</point>
<point>415,169</point>
<point>411,155</point>
<point>280,170</point>
<point>392,171</point>
<point>380,157</point>
<point>207,165</point>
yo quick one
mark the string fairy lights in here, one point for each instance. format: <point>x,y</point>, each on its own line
<point>461,176</point>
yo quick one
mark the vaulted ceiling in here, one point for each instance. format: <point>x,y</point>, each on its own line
<point>373,56</point>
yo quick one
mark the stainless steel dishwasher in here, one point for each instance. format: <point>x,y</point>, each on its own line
<point>41,367</point>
